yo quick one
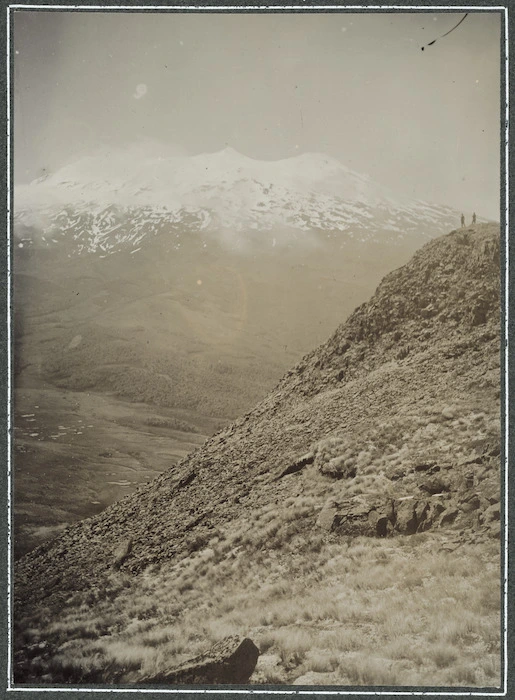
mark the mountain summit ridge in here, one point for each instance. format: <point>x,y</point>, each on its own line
<point>310,168</point>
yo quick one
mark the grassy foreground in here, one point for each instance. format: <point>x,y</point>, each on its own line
<point>418,610</point>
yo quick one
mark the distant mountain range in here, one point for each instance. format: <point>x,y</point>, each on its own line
<point>117,201</point>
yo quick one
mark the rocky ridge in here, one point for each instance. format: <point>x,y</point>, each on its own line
<point>394,423</point>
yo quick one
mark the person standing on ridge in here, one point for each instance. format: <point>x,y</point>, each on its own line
<point>463,221</point>
<point>474,218</point>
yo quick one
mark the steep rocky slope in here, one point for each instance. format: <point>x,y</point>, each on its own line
<point>151,279</point>
<point>389,428</point>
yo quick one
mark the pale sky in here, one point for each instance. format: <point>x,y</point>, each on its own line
<point>354,86</point>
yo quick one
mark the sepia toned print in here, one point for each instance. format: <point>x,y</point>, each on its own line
<point>256,365</point>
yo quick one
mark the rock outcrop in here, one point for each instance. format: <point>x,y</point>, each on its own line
<point>230,661</point>
<point>121,553</point>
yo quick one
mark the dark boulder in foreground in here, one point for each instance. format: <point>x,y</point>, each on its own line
<point>230,661</point>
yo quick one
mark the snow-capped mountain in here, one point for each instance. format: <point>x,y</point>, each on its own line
<point>114,200</point>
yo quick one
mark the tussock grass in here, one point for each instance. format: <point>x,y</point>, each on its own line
<point>378,450</point>
<point>368,612</point>
<point>321,661</point>
<point>370,671</point>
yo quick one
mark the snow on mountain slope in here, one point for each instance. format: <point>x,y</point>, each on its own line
<point>112,201</point>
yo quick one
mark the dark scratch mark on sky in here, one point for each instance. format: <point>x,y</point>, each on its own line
<point>446,33</point>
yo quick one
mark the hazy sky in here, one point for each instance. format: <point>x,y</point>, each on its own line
<point>354,86</point>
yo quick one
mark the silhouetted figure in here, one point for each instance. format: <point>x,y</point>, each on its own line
<point>474,218</point>
<point>463,221</point>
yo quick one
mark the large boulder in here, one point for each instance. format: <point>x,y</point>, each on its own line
<point>428,514</point>
<point>328,518</point>
<point>122,553</point>
<point>374,517</point>
<point>230,661</point>
<point>411,515</point>
<point>356,516</point>
<point>406,516</point>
